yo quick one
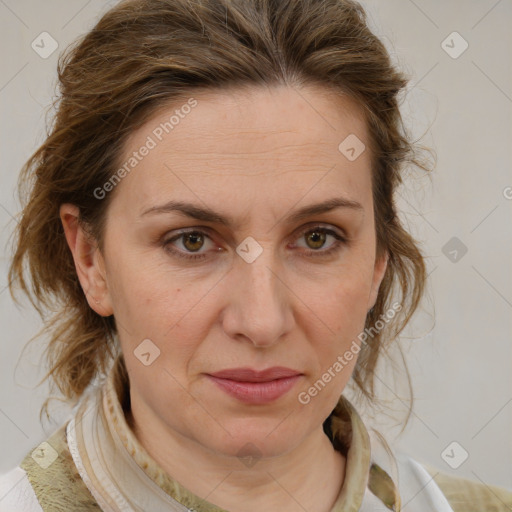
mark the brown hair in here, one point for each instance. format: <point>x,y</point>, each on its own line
<point>146,53</point>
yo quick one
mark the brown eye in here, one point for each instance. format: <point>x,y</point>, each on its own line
<point>316,238</point>
<point>193,241</point>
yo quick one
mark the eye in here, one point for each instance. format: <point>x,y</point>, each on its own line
<point>316,238</point>
<point>193,241</point>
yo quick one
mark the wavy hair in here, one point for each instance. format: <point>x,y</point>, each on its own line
<point>144,54</point>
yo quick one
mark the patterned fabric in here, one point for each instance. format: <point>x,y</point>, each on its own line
<point>59,486</point>
<point>466,495</point>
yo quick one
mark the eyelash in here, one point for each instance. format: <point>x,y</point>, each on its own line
<point>340,241</point>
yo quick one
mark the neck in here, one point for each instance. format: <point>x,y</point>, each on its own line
<point>306,478</point>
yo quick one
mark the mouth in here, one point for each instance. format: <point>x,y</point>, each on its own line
<point>256,387</point>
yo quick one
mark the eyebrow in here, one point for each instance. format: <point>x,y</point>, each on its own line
<point>208,215</point>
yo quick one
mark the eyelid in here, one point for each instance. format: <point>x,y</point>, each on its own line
<point>341,240</point>
<point>323,225</point>
<point>301,231</point>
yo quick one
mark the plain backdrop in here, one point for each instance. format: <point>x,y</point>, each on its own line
<point>459,100</point>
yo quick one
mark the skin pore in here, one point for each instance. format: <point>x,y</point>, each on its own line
<point>255,157</point>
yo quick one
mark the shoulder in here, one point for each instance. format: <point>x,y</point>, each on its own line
<point>433,489</point>
<point>466,495</point>
<point>46,479</point>
<point>16,493</point>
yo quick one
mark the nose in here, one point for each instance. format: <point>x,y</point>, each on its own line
<point>259,301</point>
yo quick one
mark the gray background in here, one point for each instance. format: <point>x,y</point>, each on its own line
<point>460,362</point>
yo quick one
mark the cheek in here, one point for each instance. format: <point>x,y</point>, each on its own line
<point>152,303</point>
<point>351,297</point>
<point>139,287</point>
<point>342,297</point>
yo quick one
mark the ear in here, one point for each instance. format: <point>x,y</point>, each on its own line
<point>89,263</point>
<point>378,275</point>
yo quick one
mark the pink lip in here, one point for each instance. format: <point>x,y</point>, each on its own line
<point>256,387</point>
<point>246,374</point>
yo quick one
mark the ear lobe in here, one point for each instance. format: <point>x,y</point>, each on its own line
<point>88,261</point>
<point>378,275</point>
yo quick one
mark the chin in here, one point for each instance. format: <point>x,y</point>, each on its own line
<point>269,437</point>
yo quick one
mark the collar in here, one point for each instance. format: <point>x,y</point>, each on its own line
<point>122,476</point>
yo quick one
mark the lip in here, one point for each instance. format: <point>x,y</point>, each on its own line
<point>247,374</point>
<point>256,387</point>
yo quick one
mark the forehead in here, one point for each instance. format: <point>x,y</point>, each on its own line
<point>310,116</point>
<point>277,137</point>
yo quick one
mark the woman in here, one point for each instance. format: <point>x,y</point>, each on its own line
<point>213,214</point>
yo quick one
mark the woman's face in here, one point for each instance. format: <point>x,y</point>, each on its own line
<point>208,265</point>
